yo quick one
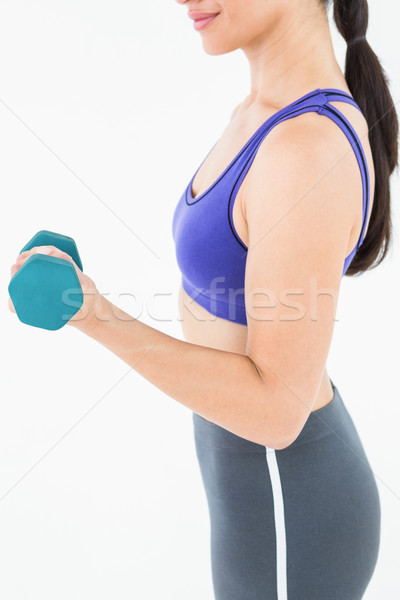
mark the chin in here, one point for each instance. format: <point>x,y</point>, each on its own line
<point>217,47</point>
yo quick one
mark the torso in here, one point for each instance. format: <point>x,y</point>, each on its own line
<point>198,325</point>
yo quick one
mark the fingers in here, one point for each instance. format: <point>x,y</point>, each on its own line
<point>52,250</point>
<point>49,250</point>
<point>14,269</point>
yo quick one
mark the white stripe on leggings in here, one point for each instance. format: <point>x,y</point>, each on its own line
<point>279,516</point>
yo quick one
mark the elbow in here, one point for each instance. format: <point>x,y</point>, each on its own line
<point>269,436</point>
<point>282,442</point>
<point>289,423</point>
<point>283,420</point>
<point>285,429</point>
<point>279,440</point>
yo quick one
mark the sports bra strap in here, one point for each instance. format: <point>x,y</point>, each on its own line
<point>320,103</point>
<point>333,95</point>
<point>339,118</point>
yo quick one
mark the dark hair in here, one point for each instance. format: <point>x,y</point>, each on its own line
<point>368,84</point>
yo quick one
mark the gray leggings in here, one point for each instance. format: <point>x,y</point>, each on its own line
<point>301,523</point>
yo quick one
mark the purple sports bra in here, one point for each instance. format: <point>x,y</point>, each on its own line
<point>210,254</point>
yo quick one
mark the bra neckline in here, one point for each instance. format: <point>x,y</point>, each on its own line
<point>189,194</point>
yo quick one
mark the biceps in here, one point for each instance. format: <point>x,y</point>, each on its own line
<point>292,281</point>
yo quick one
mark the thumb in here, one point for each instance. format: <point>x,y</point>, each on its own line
<point>11,305</point>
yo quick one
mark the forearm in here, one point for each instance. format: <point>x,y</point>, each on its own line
<point>222,387</point>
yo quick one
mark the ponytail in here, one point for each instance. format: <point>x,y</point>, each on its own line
<point>368,84</point>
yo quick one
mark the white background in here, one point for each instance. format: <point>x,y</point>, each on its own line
<point>106,110</point>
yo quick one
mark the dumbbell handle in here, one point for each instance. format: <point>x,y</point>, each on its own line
<point>62,242</point>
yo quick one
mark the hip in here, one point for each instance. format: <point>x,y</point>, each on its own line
<point>315,504</point>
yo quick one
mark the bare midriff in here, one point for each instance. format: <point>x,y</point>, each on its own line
<point>202,328</point>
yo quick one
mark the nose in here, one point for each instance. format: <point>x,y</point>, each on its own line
<point>182,1</point>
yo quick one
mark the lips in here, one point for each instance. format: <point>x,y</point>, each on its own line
<point>198,16</point>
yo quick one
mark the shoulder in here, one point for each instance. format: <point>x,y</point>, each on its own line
<point>304,161</point>
<point>307,136</point>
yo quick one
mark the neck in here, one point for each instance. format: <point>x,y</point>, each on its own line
<point>291,60</point>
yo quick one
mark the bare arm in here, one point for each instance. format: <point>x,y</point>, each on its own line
<point>223,387</point>
<point>299,225</point>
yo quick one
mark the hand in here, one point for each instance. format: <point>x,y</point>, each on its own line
<point>85,317</point>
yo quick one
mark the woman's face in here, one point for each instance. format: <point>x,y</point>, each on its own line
<point>239,23</point>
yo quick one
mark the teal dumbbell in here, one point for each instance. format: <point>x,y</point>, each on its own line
<point>46,291</point>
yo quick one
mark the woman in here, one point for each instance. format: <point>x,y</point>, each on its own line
<point>277,209</point>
